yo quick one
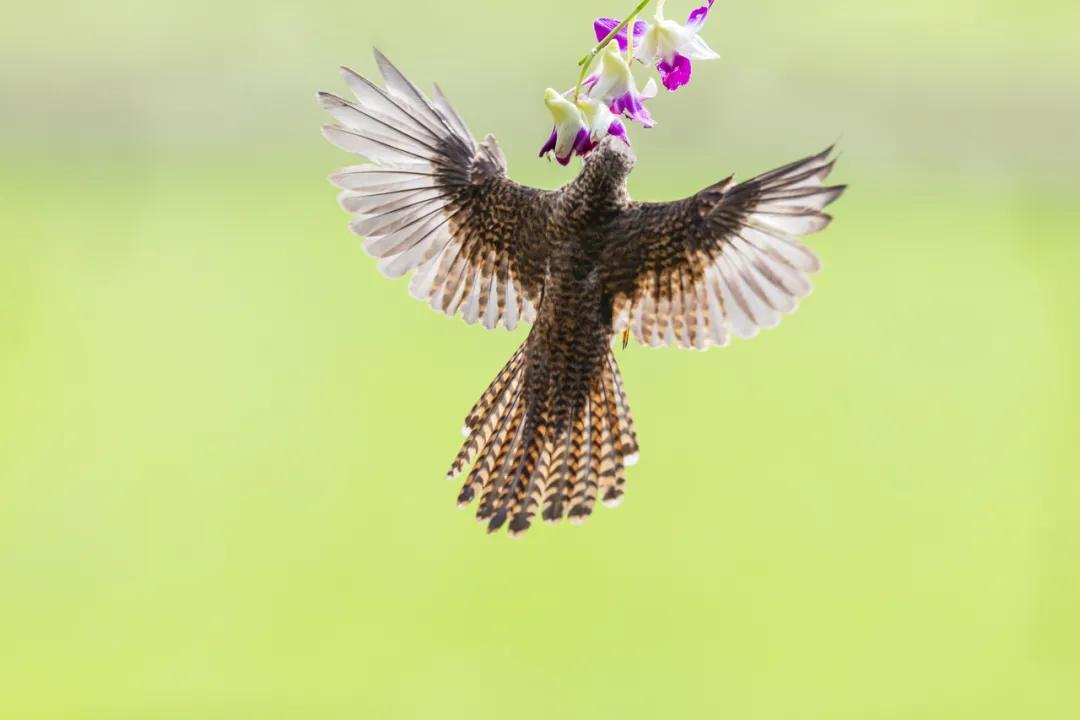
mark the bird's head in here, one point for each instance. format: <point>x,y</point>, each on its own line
<point>612,160</point>
<point>601,184</point>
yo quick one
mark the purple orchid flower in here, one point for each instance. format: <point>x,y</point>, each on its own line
<point>571,132</point>
<point>665,43</point>
<point>615,86</point>
<point>579,127</point>
<point>601,122</point>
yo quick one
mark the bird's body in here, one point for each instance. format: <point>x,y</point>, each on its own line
<point>553,432</point>
<point>566,362</point>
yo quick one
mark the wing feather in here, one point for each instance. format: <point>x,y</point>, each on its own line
<point>435,203</point>
<point>727,261</point>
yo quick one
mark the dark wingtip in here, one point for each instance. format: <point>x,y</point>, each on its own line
<point>465,496</point>
<point>823,154</point>
<point>496,522</point>
<point>519,523</point>
<point>327,99</point>
<point>832,148</point>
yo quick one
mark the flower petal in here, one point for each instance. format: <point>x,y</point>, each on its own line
<point>647,50</point>
<point>676,73</point>
<point>569,143</point>
<point>696,48</point>
<point>614,77</point>
<point>698,15</point>
<point>603,27</point>
<point>617,129</point>
<point>550,144</point>
<point>630,104</point>
<point>584,143</point>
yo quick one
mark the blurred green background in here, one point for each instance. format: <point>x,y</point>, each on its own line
<point>222,434</point>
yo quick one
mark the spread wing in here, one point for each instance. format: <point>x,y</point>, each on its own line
<point>434,203</point>
<point>725,261</point>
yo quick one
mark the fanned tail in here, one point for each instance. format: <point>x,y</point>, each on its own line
<point>546,442</point>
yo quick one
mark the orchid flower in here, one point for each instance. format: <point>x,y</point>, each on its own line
<point>601,122</point>
<point>665,43</point>
<point>571,133</point>
<point>615,86</point>
<point>590,111</point>
<point>579,126</point>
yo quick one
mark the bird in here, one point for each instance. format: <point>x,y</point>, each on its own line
<point>553,432</point>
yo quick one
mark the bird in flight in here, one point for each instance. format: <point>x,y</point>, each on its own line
<point>553,433</point>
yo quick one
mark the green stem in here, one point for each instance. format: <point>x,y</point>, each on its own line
<point>587,61</point>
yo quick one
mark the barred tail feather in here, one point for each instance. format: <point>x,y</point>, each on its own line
<point>489,409</point>
<point>534,445</point>
<point>579,465</point>
<point>509,452</point>
<point>523,463</point>
<point>583,500</point>
<point>564,472</point>
<point>529,492</point>
<point>627,435</point>
<point>497,444</point>
<point>483,405</point>
<point>611,462</point>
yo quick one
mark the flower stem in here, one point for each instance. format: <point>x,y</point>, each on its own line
<point>586,61</point>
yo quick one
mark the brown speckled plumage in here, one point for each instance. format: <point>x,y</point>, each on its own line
<point>553,432</point>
